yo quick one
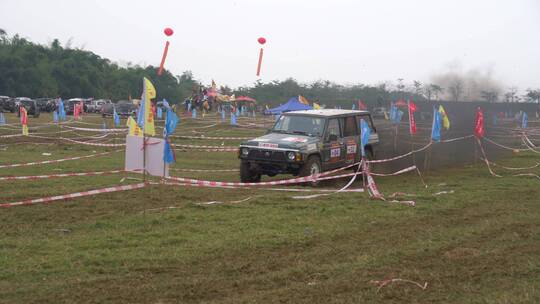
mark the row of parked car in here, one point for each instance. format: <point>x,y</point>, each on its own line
<point>38,105</point>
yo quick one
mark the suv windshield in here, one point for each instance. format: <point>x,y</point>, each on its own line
<point>307,125</point>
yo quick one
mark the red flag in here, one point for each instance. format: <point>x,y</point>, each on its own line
<point>76,111</point>
<point>479,124</point>
<point>361,105</point>
<point>412,121</point>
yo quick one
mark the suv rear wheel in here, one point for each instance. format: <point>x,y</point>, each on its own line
<point>311,167</point>
<point>247,175</point>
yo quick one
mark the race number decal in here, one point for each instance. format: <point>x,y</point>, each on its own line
<point>335,152</point>
<point>351,149</point>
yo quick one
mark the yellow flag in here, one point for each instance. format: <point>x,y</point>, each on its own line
<point>446,121</point>
<point>134,129</point>
<point>316,106</point>
<point>303,100</point>
<point>24,120</point>
<point>149,93</point>
<point>386,115</point>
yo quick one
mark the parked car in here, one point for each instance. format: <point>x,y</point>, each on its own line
<point>30,105</point>
<point>3,103</point>
<point>304,143</point>
<point>95,105</point>
<point>123,108</point>
<point>8,104</point>
<point>379,112</point>
<point>46,104</point>
<point>69,105</point>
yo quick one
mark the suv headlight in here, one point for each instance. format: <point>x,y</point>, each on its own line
<point>291,155</point>
<point>244,151</point>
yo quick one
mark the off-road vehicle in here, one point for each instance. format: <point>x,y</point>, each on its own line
<point>303,143</point>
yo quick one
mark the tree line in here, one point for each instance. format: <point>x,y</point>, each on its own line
<point>35,70</point>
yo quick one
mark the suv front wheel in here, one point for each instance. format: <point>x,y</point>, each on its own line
<point>247,175</point>
<point>311,167</point>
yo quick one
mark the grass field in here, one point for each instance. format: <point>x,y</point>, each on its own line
<point>479,244</point>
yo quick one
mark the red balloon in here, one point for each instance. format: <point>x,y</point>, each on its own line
<point>168,31</point>
<point>262,40</point>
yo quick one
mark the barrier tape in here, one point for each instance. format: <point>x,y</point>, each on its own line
<point>208,150</point>
<point>57,160</point>
<point>512,168</point>
<point>205,147</point>
<point>98,130</point>
<point>93,144</point>
<point>485,158</point>
<point>73,174</point>
<point>210,137</point>
<point>503,146</point>
<point>399,156</point>
<point>203,170</point>
<point>73,195</point>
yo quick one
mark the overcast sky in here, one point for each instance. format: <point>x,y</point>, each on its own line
<point>339,40</point>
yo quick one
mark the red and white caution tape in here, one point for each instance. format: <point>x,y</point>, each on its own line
<point>57,160</point>
<point>205,147</point>
<point>93,144</point>
<point>203,170</point>
<point>209,150</point>
<point>73,195</point>
<point>73,174</point>
<point>99,130</point>
<point>485,158</point>
<point>503,146</point>
<point>399,156</point>
<point>512,168</point>
<point>210,137</point>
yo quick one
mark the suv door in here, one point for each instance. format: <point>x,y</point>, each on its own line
<point>351,139</point>
<point>333,145</point>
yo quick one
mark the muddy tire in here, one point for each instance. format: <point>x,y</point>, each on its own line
<point>247,175</point>
<point>312,166</point>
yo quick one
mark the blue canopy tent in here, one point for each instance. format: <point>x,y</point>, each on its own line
<point>292,105</point>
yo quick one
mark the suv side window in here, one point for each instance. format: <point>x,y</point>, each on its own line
<point>333,129</point>
<point>349,126</point>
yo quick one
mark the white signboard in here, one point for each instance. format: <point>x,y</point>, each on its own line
<point>135,159</point>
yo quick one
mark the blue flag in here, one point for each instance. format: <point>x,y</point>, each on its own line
<point>392,113</point>
<point>170,123</point>
<point>353,106</point>
<point>524,120</point>
<point>140,114</point>
<point>222,115</point>
<point>398,116</point>
<point>166,104</point>
<point>2,118</point>
<point>159,113</point>
<point>194,113</point>
<point>495,119</point>
<point>55,116</point>
<point>364,139</point>
<point>233,119</point>
<point>237,112</point>
<point>168,153</point>
<point>116,118</point>
<point>436,128</point>
<point>61,110</point>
